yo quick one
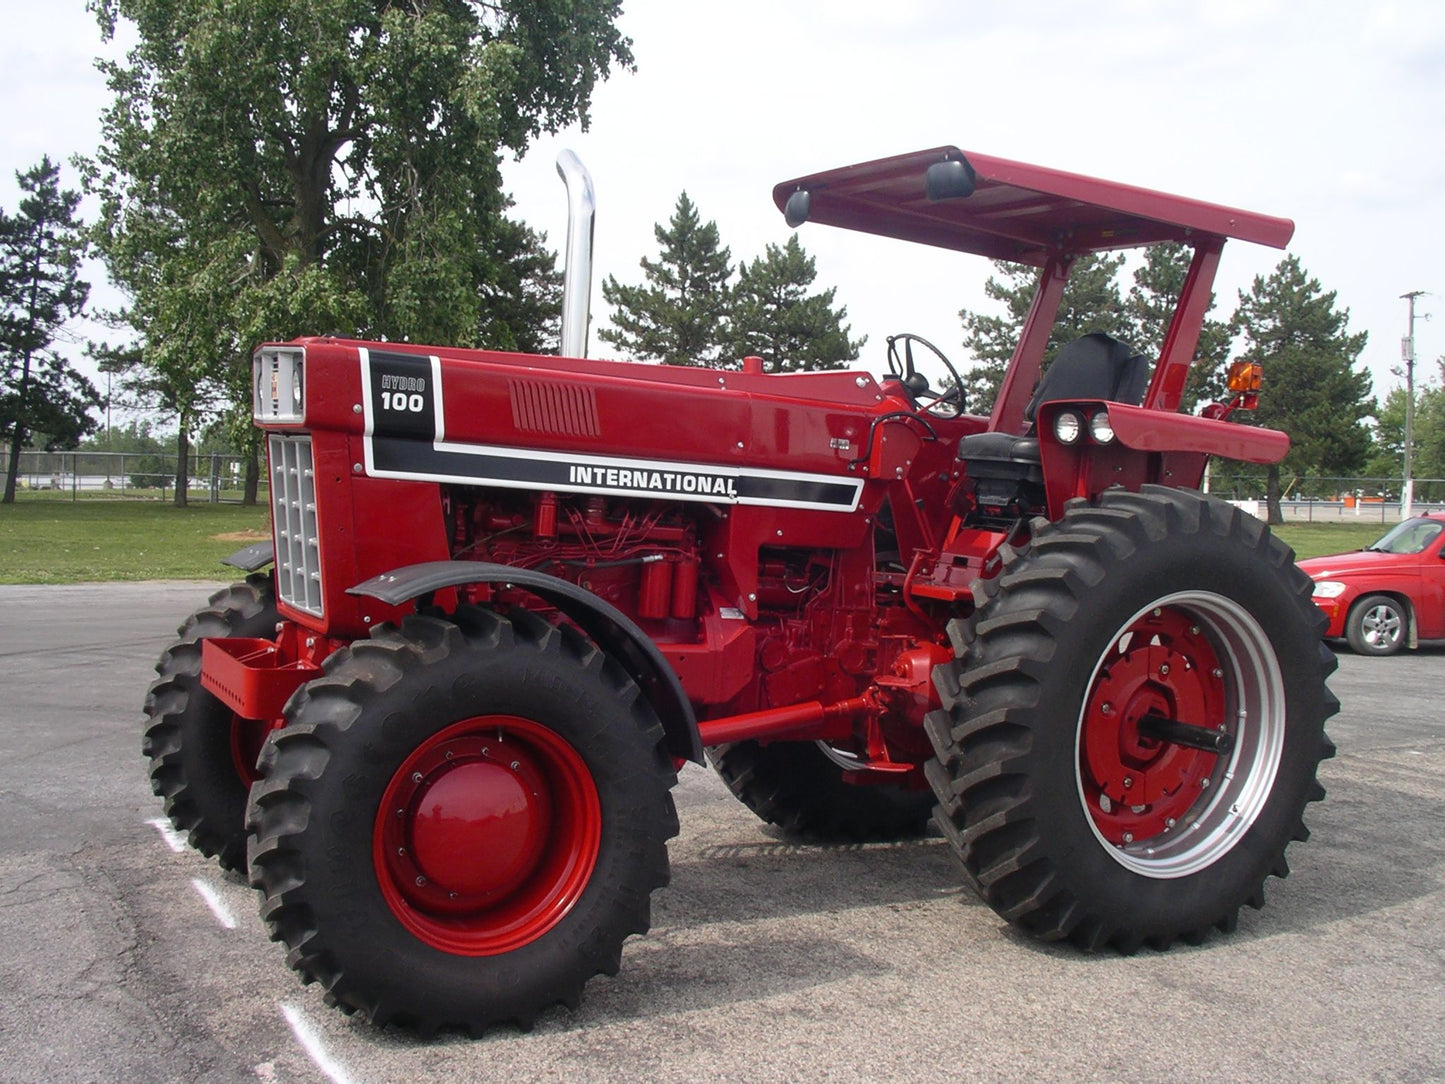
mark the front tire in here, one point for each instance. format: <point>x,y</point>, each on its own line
<point>462,821</point>
<point>203,756</point>
<point>1376,626</point>
<point>1072,816</point>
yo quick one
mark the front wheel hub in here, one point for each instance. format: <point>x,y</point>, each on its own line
<point>487,834</point>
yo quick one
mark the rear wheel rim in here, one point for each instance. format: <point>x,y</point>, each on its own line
<point>487,835</point>
<point>1160,809</point>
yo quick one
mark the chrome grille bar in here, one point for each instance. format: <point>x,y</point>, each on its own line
<point>293,518</point>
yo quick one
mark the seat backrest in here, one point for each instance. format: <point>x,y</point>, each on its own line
<point>1094,366</point>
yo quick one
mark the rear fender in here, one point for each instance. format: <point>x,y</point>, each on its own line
<point>612,630</point>
<point>1149,447</point>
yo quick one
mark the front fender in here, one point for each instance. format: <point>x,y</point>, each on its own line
<point>612,630</point>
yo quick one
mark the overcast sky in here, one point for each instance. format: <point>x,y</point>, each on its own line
<point>1327,112</point>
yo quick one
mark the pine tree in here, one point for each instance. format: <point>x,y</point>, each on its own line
<point>1150,307</point>
<point>40,290</point>
<point>680,317</point>
<point>1312,388</point>
<point>1091,302</point>
<point>775,318</point>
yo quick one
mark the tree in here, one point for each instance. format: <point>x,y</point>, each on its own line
<point>1387,459</point>
<point>1149,308</point>
<point>40,290</point>
<point>1091,302</point>
<point>272,168</point>
<point>774,317</point>
<point>1312,389</point>
<point>681,316</point>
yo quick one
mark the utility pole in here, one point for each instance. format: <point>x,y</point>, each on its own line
<point>1407,351</point>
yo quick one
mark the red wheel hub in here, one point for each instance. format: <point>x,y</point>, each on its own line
<point>487,835</point>
<point>1135,786</point>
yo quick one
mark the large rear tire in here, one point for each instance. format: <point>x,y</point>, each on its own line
<point>798,787</point>
<point>462,821</point>
<point>1073,817</point>
<point>202,756</point>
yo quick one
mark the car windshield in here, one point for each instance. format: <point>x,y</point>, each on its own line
<point>1411,536</point>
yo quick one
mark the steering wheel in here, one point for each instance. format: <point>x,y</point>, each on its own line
<point>900,365</point>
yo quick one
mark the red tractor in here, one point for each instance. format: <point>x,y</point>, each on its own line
<point>510,596</point>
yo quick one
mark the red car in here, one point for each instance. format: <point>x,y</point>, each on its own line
<point>1389,594</point>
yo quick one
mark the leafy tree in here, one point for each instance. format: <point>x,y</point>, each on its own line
<point>1313,390</point>
<point>1387,459</point>
<point>774,317</point>
<point>681,316</point>
<point>40,290</point>
<point>272,168</point>
<point>1149,307</point>
<point>1091,302</point>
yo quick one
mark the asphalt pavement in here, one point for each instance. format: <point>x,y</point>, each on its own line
<point>124,956</point>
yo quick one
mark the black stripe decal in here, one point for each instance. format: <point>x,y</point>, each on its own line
<point>398,457</point>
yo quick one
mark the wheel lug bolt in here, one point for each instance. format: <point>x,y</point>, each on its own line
<point>1158,612</point>
<point>1128,837</point>
<point>1193,630</point>
<point>1128,781</point>
<point>1169,822</point>
<point>1218,672</point>
<point>420,881</point>
<point>416,777</point>
<point>1164,669</point>
<point>401,852</point>
<point>1106,709</point>
<point>516,765</point>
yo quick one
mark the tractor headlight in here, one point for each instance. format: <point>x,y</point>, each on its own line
<point>1328,589</point>
<point>278,388</point>
<point>1068,427</point>
<point>1100,429</point>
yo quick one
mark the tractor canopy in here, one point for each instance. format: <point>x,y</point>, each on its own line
<point>1042,217</point>
<point>1010,210</point>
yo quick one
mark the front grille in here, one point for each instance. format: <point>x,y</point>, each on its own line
<point>293,518</point>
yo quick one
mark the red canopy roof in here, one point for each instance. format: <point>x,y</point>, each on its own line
<point>1017,212</point>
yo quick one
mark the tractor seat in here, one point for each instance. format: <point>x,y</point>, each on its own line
<point>1094,366</point>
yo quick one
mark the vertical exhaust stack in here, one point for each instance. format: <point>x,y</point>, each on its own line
<point>577,276</point>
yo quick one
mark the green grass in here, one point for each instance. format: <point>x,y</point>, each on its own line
<point>87,541</point>
<point>1318,539</point>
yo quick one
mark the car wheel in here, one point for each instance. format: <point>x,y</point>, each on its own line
<point>1377,625</point>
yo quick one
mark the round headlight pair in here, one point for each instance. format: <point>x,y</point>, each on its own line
<point>1069,427</point>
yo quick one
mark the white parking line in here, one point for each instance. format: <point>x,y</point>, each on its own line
<point>311,1043</point>
<point>174,840</point>
<point>215,903</point>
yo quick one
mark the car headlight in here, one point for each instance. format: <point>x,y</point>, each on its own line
<point>1100,429</point>
<point>1068,426</point>
<point>1328,589</point>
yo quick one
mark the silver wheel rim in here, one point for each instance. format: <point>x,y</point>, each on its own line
<point>1380,626</point>
<point>1241,783</point>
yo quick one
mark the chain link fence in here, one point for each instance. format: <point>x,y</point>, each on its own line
<point>140,476</point>
<point>216,477</point>
<point>1332,500</point>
